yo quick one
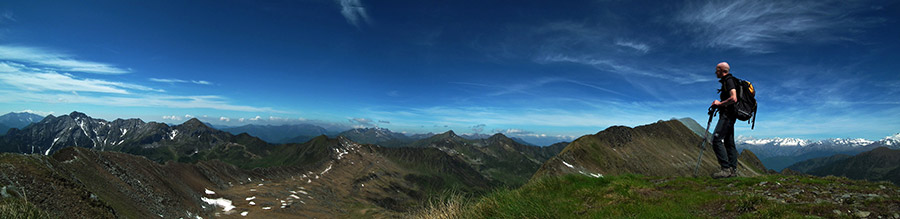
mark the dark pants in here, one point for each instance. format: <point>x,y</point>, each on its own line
<point>723,141</point>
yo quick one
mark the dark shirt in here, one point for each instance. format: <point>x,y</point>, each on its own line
<point>725,93</point>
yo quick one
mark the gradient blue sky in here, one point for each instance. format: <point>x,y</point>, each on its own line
<point>557,69</point>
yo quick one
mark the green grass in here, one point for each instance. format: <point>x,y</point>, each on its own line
<point>636,196</point>
<point>13,208</point>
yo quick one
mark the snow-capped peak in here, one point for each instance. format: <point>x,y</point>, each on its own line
<point>778,141</point>
<point>891,140</point>
<point>858,142</point>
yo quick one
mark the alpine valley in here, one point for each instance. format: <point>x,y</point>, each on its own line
<point>77,166</point>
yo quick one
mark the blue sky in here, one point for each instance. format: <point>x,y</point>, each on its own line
<point>548,69</point>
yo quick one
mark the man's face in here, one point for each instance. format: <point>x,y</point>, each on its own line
<point>720,72</point>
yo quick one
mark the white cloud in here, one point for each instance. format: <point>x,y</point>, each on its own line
<point>188,116</point>
<point>172,80</point>
<point>42,113</point>
<point>354,12</point>
<point>754,26</point>
<point>226,119</point>
<point>255,118</point>
<point>241,120</point>
<point>31,79</point>
<point>55,61</point>
<point>173,118</point>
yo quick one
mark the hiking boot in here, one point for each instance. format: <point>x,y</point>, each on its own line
<point>733,171</point>
<point>724,173</point>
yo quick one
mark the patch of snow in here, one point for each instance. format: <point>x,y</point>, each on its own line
<point>173,134</point>
<point>224,203</point>
<point>250,198</point>
<point>308,180</point>
<point>295,196</point>
<point>267,208</point>
<point>209,192</point>
<point>363,185</point>
<point>326,170</point>
<point>54,141</point>
<point>304,192</point>
<point>252,190</point>
<point>595,175</point>
<point>252,203</point>
<point>259,184</point>
<point>568,165</point>
<point>244,214</point>
<point>123,132</point>
<point>248,179</point>
<point>47,153</point>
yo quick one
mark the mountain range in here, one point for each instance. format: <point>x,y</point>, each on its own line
<point>880,164</point>
<point>295,133</point>
<point>778,153</point>
<point>342,173</point>
<point>131,168</point>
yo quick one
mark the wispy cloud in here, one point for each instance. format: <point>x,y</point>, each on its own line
<point>6,17</point>
<point>354,12</point>
<point>756,26</point>
<point>31,79</point>
<point>478,128</point>
<point>529,87</point>
<point>55,61</point>
<point>643,48</point>
<point>134,100</point>
<point>224,119</point>
<point>172,80</point>
<point>361,121</point>
<point>609,65</point>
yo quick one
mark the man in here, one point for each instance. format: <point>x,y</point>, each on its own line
<point>723,136</point>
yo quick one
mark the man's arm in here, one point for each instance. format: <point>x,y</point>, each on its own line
<point>729,101</point>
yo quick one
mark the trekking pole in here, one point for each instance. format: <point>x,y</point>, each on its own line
<point>712,113</point>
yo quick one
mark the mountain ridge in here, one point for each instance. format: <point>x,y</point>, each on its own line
<point>664,148</point>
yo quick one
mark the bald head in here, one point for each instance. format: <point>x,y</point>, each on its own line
<point>722,69</point>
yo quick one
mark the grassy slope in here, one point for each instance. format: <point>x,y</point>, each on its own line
<point>636,196</point>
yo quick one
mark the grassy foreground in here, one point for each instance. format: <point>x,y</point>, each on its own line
<point>635,196</point>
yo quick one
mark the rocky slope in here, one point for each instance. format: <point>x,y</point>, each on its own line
<point>321,178</point>
<point>664,148</point>
<point>379,136</point>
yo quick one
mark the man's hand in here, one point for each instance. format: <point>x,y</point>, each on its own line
<point>716,103</point>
